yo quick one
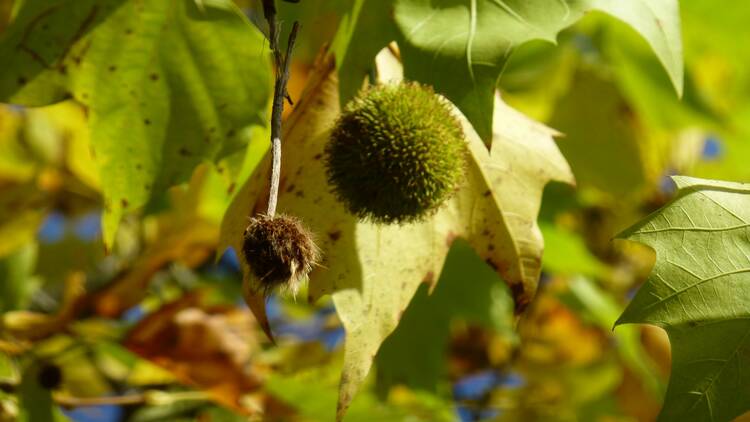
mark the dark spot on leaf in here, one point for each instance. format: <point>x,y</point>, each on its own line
<point>490,247</point>
<point>22,80</point>
<point>429,278</point>
<point>487,193</point>
<point>184,152</point>
<point>290,188</point>
<point>318,156</point>
<point>230,133</point>
<point>50,376</point>
<point>491,263</point>
<point>334,236</point>
<point>220,170</point>
<point>45,27</point>
<point>212,129</point>
<point>299,194</point>
<point>129,31</point>
<point>485,232</point>
<point>231,188</point>
<point>112,68</point>
<point>519,297</point>
<point>147,122</point>
<point>124,202</point>
<point>138,167</point>
<point>154,77</point>
<point>63,70</point>
<point>84,95</point>
<point>222,106</point>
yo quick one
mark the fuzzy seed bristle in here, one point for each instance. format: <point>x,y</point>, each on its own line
<point>396,153</point>
<point>280,252</point>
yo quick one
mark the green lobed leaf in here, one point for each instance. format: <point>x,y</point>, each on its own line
<point>461,46</point>
<point>698,291</point>
<point>167,84</point>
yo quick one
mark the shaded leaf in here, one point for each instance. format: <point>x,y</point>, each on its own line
<point>461,46</point>
<point>208,350</point>
<point>415,354</point>
<point>35,401</point>
<point>698,293</point>
<point>603,139</point>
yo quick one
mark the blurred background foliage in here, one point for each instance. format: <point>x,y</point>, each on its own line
<point>156,329</point>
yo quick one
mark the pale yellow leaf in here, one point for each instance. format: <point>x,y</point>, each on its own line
<point>372,271</point>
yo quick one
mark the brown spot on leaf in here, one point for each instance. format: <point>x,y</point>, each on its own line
<point>231,188</point>
<point>487,193</point>
<point>335,235</point>
<point>146,122</point>
<point>124,202</point>
<point>490,247</point>
<point>154,77</point>
<point>22,80</point>
<point>112,68</point>
<point>230,133</point>
<point>491,263</point>
<point>429,278</point>
<point>318,156</point>
<point>519,297</point>
<point>184,152</point>
<point>449,238</point>
<point>290,189</point>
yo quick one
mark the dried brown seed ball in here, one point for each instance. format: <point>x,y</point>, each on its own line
<point>280,252</point>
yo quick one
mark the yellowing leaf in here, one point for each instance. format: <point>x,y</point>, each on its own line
<point>372,271</point>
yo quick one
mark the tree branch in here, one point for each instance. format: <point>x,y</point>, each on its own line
<point>279,95</point>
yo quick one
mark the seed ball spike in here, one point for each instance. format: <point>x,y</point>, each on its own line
<point>396,153</point>
<point>280,252</point>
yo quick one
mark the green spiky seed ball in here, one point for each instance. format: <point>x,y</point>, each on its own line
<point>280,252</point>
<point>396,153</point>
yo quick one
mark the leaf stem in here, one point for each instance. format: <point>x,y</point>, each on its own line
<point>279,95</point>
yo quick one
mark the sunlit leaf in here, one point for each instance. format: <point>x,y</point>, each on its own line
<point>373,271</point>
<point>177,89</point>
